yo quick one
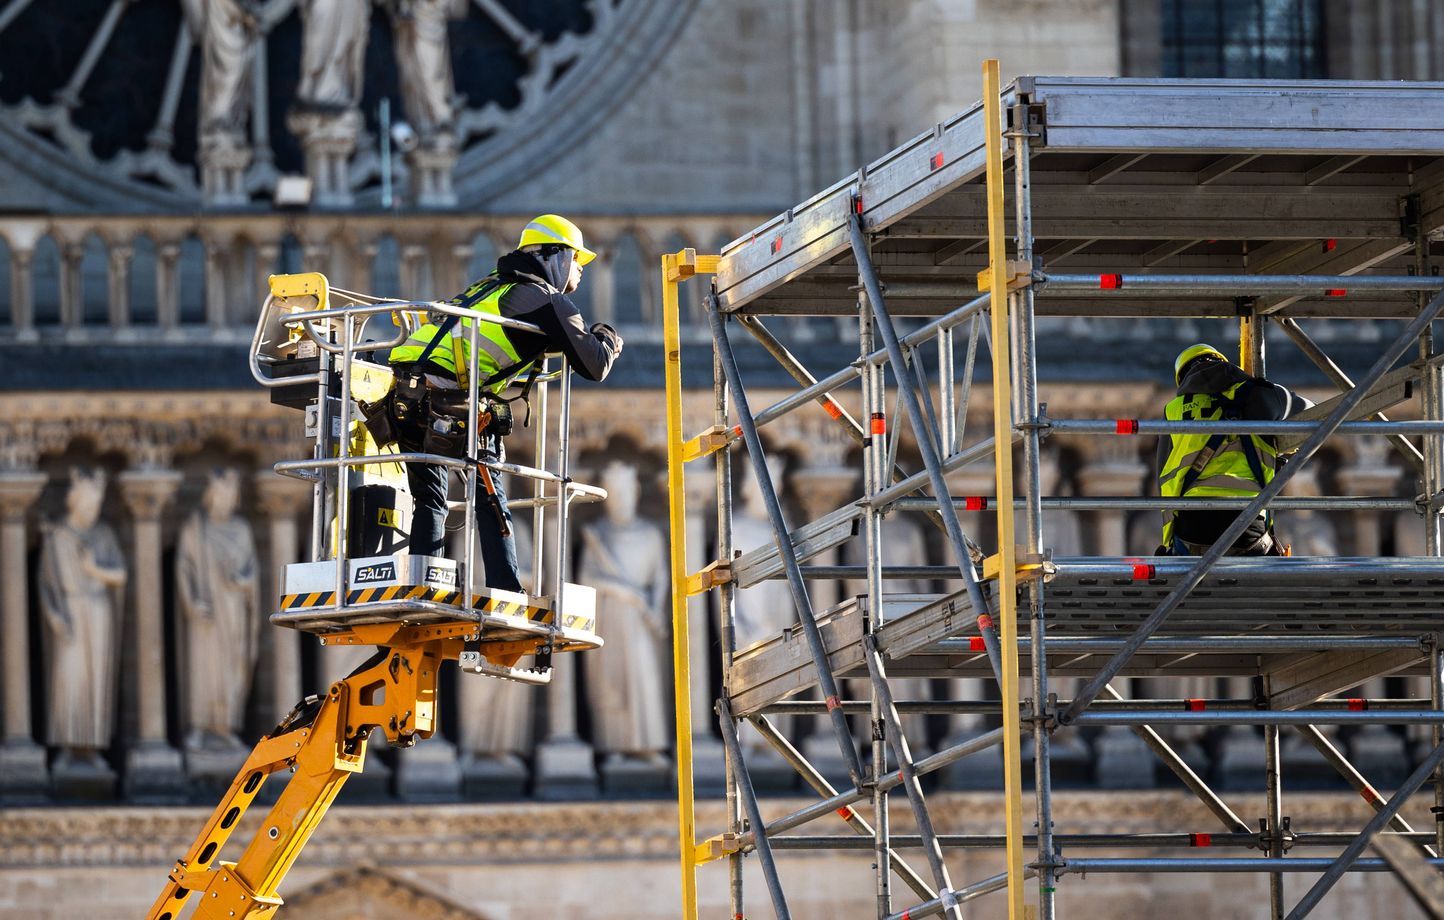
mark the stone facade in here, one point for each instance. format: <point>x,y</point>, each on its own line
<point>126,305</point>
<point>501,862</point>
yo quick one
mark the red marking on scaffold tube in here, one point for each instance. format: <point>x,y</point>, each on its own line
<point>832,408</point>
<point>777,245</point>
<point>1200,840</point>
<point>1110,282</point>
<point>878,423</point>
<point>832,703</point>
<point>985,621</point>
<point>907,915</point>
<point>1194,705</point>
<point>1143,572</point>
<point>976,644</point>
<point>936,161</point>
<point>1335,292</point>
<point>737,431</point>
<point>1330,245</point>
<point>857,204</point>
<point>1370,794</point>
<point>1358,705</point>
<point>1126,426</point>
<point>845,812</point>
<point>975,503</point>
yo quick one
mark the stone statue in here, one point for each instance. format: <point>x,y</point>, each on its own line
<point>764,609</point>
<point>423,61</point>
<point>333,53</point>
<point>625,559</point>
<point>225,30</point>
<point>216,594</point>
<point>82,573</point>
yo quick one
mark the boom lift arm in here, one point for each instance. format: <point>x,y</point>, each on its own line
<point>323,741</point>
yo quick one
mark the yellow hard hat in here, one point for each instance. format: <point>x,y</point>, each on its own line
<point>553,229</point>
<point>1188,354</point>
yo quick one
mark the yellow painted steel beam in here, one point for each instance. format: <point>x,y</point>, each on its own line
<point>677,267</point>
<point>999,276</point>
<point>716,573</point>
<point>709,442</point>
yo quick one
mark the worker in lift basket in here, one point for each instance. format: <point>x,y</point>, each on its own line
<point>1210,465</point>
<point>530,284</point>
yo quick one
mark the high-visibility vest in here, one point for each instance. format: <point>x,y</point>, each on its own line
<point>498,356</point>
<point>1202,465</point>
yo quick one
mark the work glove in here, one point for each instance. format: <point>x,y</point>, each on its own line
<point>607,334</point>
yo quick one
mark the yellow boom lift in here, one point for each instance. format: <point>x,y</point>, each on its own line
<point>361,588</point>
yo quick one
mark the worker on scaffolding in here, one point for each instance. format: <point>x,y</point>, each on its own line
<point>530,284</point>
<point>1198,465</point>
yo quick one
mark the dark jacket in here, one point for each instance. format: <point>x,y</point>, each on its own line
<point>590,351</point>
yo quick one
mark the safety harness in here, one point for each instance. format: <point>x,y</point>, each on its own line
<point>1231,408</point>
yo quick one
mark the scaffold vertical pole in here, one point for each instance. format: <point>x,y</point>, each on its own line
<point>1003,456</point>
<point>677,518</point>
<point>874,461</point>
<point>726,619</point>
<point>1027,370</point>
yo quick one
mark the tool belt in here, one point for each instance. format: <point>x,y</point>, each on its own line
<point>437,416</point>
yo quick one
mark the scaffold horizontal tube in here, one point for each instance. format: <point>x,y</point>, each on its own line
<point>1160,426</point>
<point>1108,841</point>
<point>1220,503</point>
<point>1224,864</point>
<point>1242,284</point>
<point>993,707</point>
<point>1258,717</point>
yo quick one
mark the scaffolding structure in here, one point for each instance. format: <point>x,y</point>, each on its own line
<point>1264,201</point>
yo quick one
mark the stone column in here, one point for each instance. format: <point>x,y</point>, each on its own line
<point>601,281</point>
<point>118,284</point>
<point>153,771</point>
<point>431,166</point>
<point>267,255</point>
<point>1121,759</point>
<point>22,294</point>
<point>457,266</point>
<point>72,291</point>
<point>167,285</point>
<point>328,139</point>
<point>283,500</point>
<point>414,259</point>
<point>22,761</point>
<point>709,775</point>
<point>215,285</point>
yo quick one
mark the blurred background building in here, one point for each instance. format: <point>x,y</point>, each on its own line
<point>159,158</point>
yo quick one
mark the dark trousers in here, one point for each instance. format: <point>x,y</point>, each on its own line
<point>1203,528</point>
<point>428,484</point>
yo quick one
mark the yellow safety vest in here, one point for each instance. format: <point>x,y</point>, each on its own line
<point>1201,465</point>
<point>497,352</point>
